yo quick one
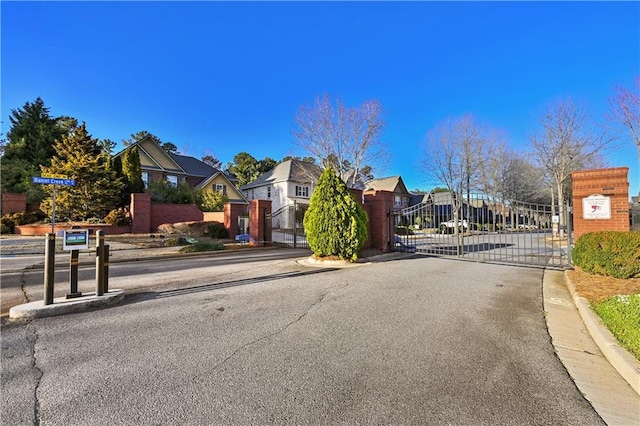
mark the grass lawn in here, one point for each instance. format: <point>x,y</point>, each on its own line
<point>616,301</point>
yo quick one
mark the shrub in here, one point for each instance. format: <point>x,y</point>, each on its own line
<point>172,242</point>
<point>118,217</point>
<point>9,221</point>
<point>202,246</point>
<point>404,230</point>
<point>611,253</point>
<point>164,192</point>
<point>217,231</point>
<point>335,223</point>
<point>211,201</point>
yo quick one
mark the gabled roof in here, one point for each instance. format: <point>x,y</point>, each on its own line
<point>287,171</point>
<point>390,184</point>
<point>192,166</point>
<point>204,182</point>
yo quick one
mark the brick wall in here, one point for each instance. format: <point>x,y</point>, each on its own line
<point>173,213</point>
<point>611,183</point>
<point>140,210</point>
<point>377,204</point>
<point>13,203</point>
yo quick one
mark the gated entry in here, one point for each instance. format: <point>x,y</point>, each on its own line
<point>286,226</point>
<point>475,227</point>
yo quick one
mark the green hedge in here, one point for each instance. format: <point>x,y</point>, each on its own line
<point>616,254</point>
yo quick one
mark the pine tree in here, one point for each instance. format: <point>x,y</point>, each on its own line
<point>132,171</point>
<point>79,156</point>
<point>30,144</point>
<point>335,224</point>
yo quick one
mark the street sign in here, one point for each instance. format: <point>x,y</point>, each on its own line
<point>53,181</point>
<point>75,239</point>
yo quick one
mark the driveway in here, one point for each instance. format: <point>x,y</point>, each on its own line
<point>413,341</point>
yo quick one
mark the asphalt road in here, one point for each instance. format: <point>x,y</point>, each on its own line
<point>412,341</point>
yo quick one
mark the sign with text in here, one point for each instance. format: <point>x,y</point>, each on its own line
<point>53,181</point>
<point>75,239</point>
<point>596,207</point>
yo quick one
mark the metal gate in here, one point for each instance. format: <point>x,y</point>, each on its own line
<point>475,227</point>
<point>286,226</point>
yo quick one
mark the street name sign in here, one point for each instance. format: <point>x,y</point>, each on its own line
<point>53,181</point>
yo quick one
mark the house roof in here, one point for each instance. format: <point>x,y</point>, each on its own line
<point>287,171</point>
<point>391,184</point>
<point>192,166</point>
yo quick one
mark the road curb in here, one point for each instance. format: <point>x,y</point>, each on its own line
<point>625,363</point>
<point>62,305</point>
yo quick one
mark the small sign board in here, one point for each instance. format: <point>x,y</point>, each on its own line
<point>75,239</point>
<point>596,207</point>
<point>53,181</point>
<point>555,219</point>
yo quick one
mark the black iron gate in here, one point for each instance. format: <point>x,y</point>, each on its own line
<point>476,227</point>
<point>286,226</point>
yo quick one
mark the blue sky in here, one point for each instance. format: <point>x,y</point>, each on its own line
<point>224,77</point>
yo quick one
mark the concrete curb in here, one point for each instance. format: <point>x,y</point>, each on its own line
<point>625,363</point>
<point>62,305</point>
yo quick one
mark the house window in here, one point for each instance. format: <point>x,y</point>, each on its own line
<point>268,192</point>
<point>221,188</point>
<point>145,179</point>
<point>397,201</point>
<point>302,191</point>
<point>173,180</point>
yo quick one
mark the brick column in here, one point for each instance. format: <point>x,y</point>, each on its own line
<point>611,183</point>
<point>377,204</point>
<point>257,229</point>
<point>140,213</point>
<point>231,213</point>
<point>13,203</point>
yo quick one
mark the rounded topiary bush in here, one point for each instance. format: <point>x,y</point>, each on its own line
<point>335,224</point>
<point>611,253</point>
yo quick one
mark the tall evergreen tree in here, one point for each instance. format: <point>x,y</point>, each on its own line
<point>79,156</point>
<point>335,224</point>
<point>29,145</point>
<point>132,171</point>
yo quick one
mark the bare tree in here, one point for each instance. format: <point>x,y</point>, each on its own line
<point>625,107</point>
<point>347,139</point>
<point>454,157</point>
<point>567,142</point>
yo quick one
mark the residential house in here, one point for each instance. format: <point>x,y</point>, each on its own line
<point>288,182</point>
<point>394,184</point>
<point>157,164</point>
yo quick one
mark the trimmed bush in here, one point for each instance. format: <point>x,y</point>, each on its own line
<point>335,223</point>
<point>616,254</point>
<point>217,231</point>
<point>118,217</point>
<point>202,246</point>
<point>9,221</point>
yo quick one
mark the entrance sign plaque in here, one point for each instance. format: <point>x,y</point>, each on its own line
<point>596,207</point>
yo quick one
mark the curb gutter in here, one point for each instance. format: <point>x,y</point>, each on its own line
<point>625,363</point>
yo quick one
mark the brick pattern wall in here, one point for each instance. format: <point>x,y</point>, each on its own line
<point>612,183</point>
<point>140,210</point>
<point>13,203</point>
<point>173,213</point>
<point>377,204</point>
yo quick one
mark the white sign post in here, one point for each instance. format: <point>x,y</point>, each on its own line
<point>596,207</point>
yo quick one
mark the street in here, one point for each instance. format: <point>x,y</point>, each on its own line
<point>412,341</point>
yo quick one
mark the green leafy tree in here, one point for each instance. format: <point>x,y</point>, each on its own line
<point>29,145</point>
<point>335,224</point>
<point>79,156</point>
<point>245,167</point>
<point>163,191</point>
<point>211,201</point>
<point>132,171</point>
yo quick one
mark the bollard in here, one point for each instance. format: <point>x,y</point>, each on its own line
<point>73,275</point>
<point>105,276</point>
<point>49,267</point>
<point>99,263</point>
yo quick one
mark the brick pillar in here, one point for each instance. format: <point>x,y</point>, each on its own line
<point>231,213</point>
<point>257,226</point>
<point>140,213</point>
<point>378,204</point>
<point>609,183</point>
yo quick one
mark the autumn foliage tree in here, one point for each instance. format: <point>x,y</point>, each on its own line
<point>335,224</point>
<point>79,156</point>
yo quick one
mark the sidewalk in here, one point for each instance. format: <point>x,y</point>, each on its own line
<point>609,390</point>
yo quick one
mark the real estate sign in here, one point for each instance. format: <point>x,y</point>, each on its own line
<point>75,239</point>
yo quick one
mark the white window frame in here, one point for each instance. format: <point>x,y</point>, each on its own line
<point>172,179</point>
<point>219,187</point>
<point>145,179</point>
<point>268,192</point>
<point>302,191</point>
